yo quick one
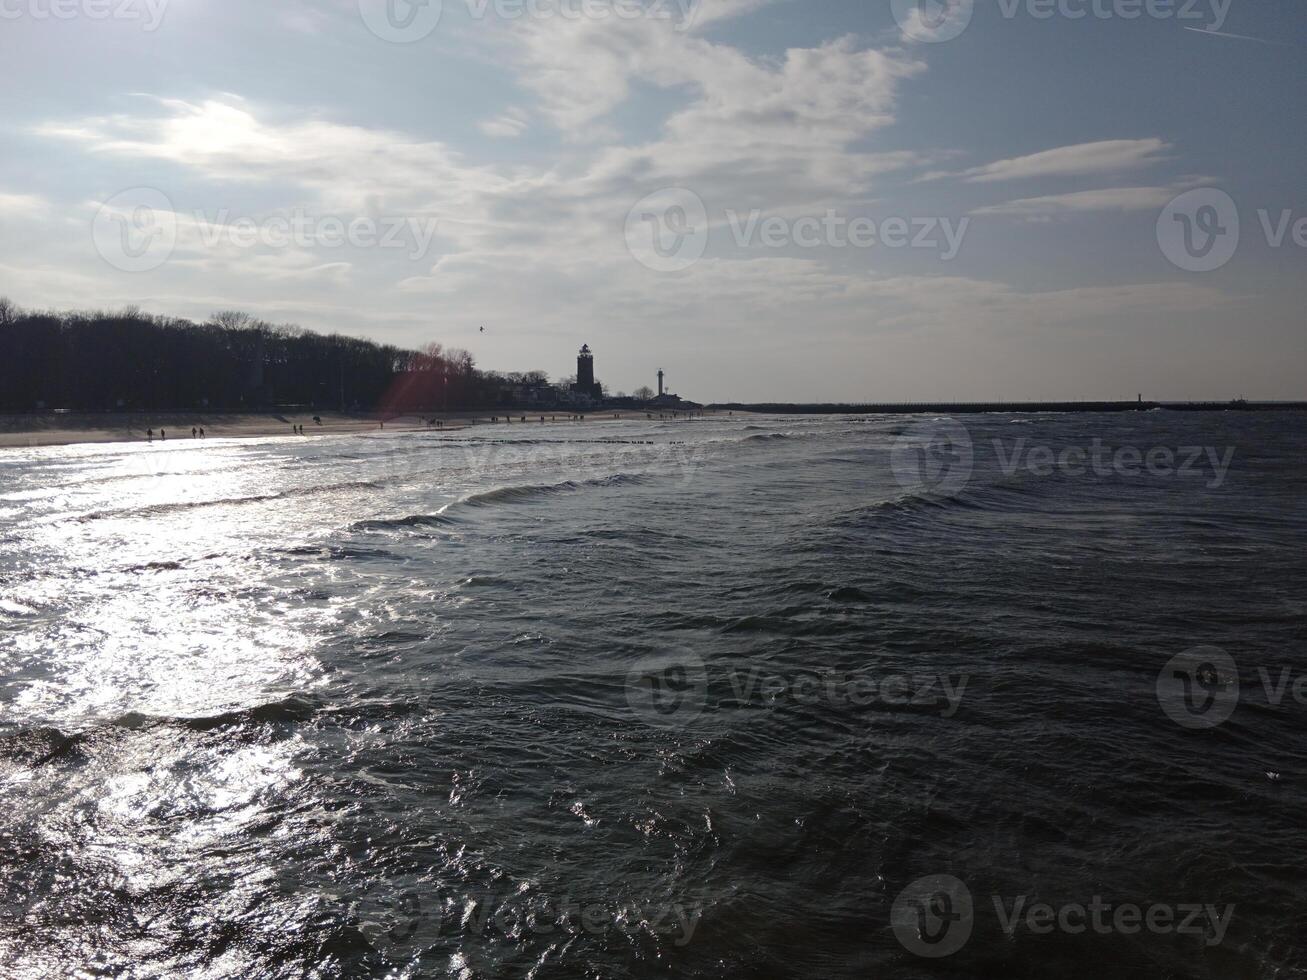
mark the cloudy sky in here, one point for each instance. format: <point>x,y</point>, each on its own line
<point>771,199</point>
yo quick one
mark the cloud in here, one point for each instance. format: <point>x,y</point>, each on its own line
<point>1107,199</point>
<point>536,240</point>
<point>21,205</point>
<point>340,166</point>
<point>509,124</point>
<point>1081,160</point>
<point>705,12</point>
<point>1237,37</point>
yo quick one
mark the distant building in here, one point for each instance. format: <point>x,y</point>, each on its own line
<point>665,398</point>
<point>586,385</point>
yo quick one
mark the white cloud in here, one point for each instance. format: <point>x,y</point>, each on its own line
<point>508,125</point>
<point>706,12</point>
<point>21,205</point>
<point>1081,160</point>
<point>1107,199</point>
<point>341,166</point>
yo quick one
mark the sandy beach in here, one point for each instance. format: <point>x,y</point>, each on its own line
<point>70,428</point>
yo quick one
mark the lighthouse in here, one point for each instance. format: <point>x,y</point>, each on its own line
<point>585,375</point>
<point>660,382</point>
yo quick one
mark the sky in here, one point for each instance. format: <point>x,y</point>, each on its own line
<point>780,200</point>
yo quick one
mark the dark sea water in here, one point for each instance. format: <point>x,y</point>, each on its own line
<point>733,697</point>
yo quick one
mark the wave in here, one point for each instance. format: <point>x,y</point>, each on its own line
<point>155,510</point>
<point>335,553</point>
<point>398,523</point>
<point>44,744</point>
<point>529,493</point>
<point>507,496</point>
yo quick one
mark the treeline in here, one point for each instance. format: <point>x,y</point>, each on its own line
<point>132,361</point>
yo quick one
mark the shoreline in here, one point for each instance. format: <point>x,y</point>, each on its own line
<point>41,429</point>
<point>1012,408</point>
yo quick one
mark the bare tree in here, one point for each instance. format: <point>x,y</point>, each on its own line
<point>232,320</point>
<point>643,394</point>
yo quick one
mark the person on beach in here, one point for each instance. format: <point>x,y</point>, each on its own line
<point>201,432</point>
<point>195,433</point>
<point>163,435</point>
<point>150,433</point>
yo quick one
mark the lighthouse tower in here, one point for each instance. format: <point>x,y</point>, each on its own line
<point>585,375</point>
<point>660,382</point>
